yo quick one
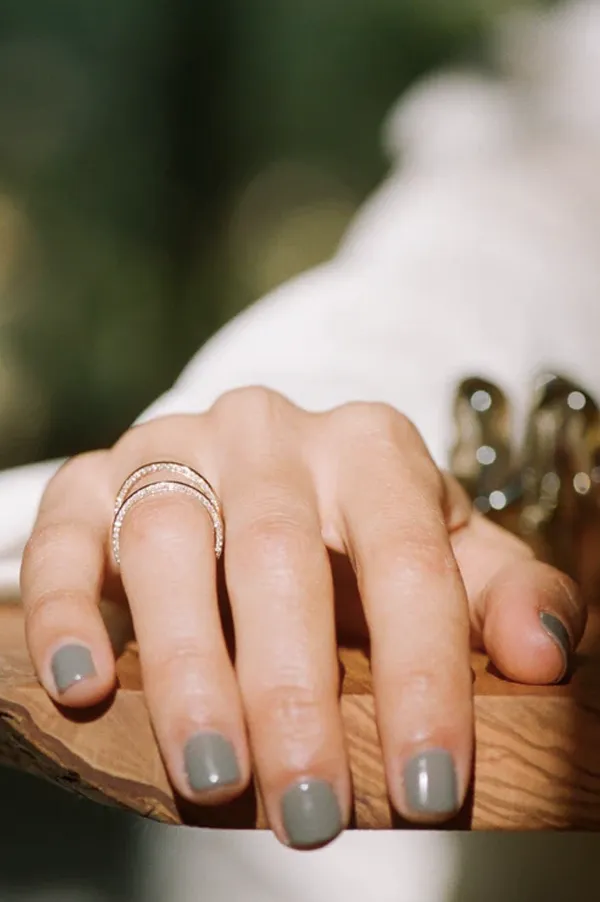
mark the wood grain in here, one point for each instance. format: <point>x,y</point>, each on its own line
<point>537,748</point>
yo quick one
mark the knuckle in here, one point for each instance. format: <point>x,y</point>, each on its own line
<point>254,405</point>
<point>290,709</point>
<point>420,685</point>
<point>379,422</point>
<point>425,555</point>
<point>181,657</point>
<point>46,541</point>
<point>365,416</point>
<point>277,538</point>
<point>423,545</point>
<point>42,543</point>
<point>81,470</point>
<point>411,563</point>
<point>191,669</point>
<point>253,425</point>
<point>82,466</point>
<point>133,439</point>
<point>47,607</point>
<point>406,436</point>
<point>155,438</point>
<point>406,428</point>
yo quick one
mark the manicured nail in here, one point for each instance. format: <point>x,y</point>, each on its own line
<point>71,664</point>
<point>210,762</point>
<point>430,783</point>
<point>557,631</point>
<point>311,814</point>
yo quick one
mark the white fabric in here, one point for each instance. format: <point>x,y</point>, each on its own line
<point>419,866</point>
<point>478,254</point>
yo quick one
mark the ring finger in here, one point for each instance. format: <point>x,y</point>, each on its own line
<point>395,528</point>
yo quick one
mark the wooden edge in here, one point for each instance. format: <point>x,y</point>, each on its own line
<point>537,764</point>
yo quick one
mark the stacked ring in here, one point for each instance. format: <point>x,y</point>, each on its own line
<point>190,483</point>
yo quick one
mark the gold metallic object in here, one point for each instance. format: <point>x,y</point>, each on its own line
<point>189,483</point>
<point>545,489</point>
<point>557,463</point>
<point>482,457</point>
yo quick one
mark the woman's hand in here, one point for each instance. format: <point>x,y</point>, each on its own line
<point>434,579</point>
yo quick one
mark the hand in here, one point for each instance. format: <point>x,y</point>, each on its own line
<point>434,579</point>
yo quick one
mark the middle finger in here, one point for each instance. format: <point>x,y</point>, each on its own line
<point>280,585</point>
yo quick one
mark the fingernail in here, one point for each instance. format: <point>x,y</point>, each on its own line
<point>557,631</point>
<point>430,783</point>
<point>71,664</point>
<point>311,814</point>
<point>210,762</point>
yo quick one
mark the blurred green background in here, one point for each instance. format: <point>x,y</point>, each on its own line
<point>165,162</point>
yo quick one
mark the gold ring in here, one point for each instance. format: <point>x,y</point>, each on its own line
<point>195,486</point>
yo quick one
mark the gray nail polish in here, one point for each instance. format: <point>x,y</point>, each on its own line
<point>71,664</point>
<point>557,631</point>
<point>210,762</point>
<point>311,814</point>
<point>430,783</point>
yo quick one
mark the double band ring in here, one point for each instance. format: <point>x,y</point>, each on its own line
<point>189,483</point>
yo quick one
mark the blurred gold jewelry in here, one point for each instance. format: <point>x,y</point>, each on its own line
<point>544,490</point>
<point>482,458</point>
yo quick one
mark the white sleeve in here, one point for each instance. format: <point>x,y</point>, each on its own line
<point>477,256</point>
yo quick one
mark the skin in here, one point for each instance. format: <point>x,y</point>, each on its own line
<point>435,579</point>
